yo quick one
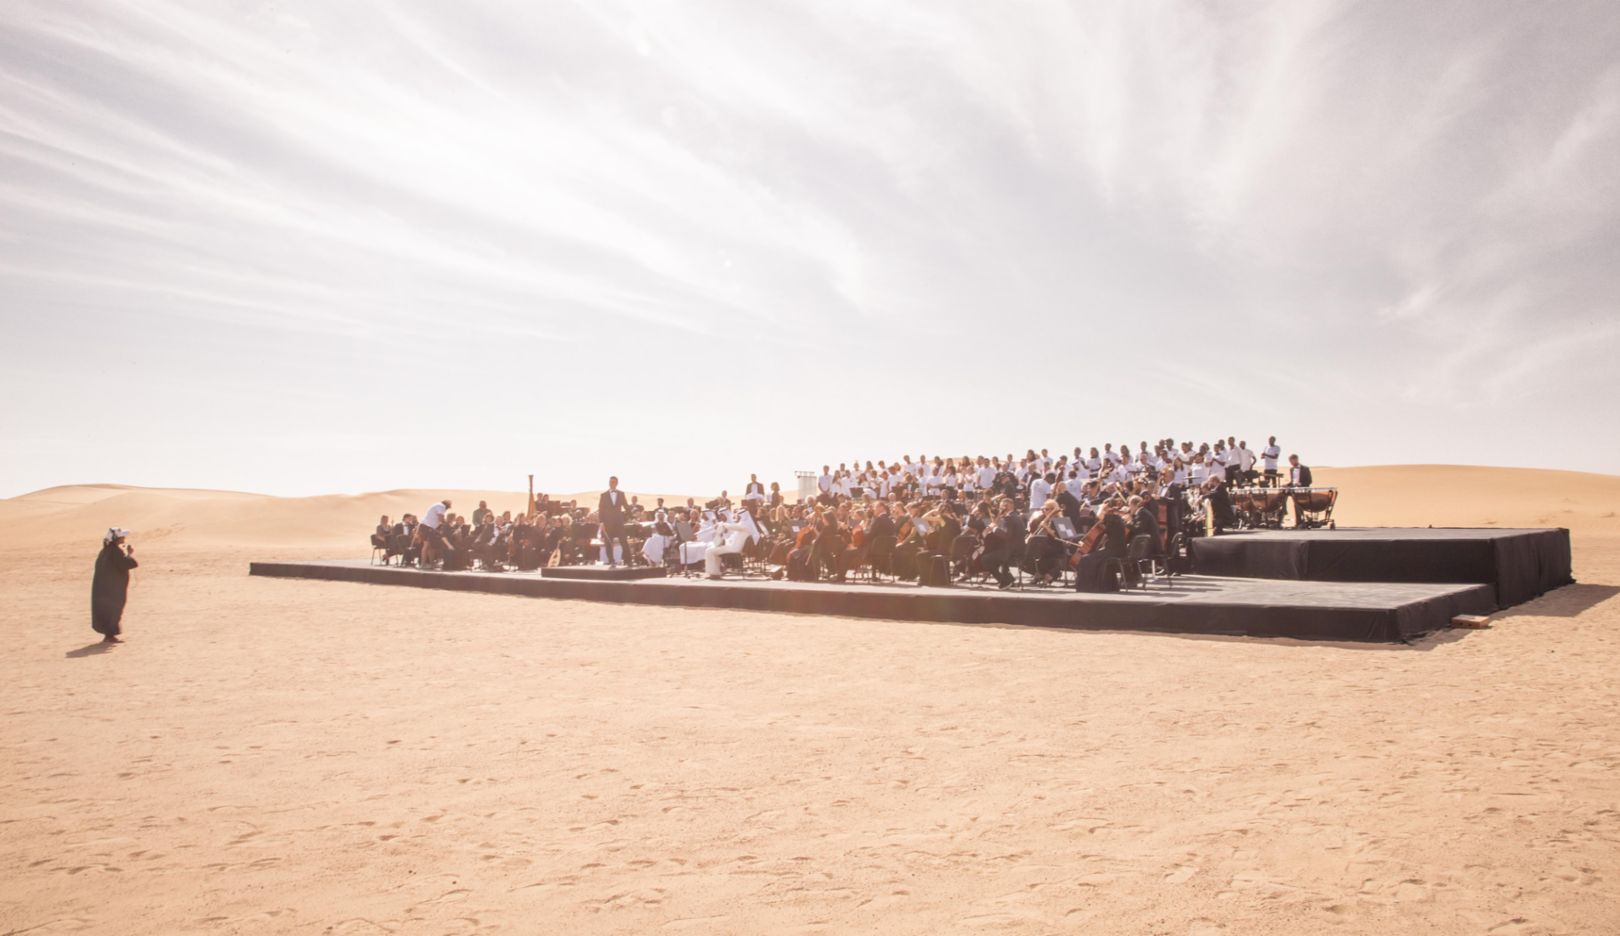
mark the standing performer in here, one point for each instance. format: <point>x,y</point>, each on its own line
<point>1269,459</point>
<point>611,512</point>
<point>110,587</point>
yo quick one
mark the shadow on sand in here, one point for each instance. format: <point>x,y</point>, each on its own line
<point>1568,601</point>
<point>99,646</point>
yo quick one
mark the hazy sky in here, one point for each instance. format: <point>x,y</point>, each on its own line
<point>314,247</point>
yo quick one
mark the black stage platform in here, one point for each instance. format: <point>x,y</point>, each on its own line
<point>597,573</point>
<point>1196,605</point>
<point>1517,564</point>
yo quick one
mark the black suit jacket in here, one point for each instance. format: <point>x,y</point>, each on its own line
<point>612,509</point>
<point>1116,539</point>
<point>1304,476</point>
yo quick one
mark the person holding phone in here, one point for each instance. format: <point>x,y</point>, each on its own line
<point>109,589</point>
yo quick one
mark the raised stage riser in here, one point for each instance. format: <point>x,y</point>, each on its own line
<point>1153,611</point>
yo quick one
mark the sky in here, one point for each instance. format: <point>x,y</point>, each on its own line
<point>318,247</point>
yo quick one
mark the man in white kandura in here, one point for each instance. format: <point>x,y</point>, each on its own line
<point>730,536</point>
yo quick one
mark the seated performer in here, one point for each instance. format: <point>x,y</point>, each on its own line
<point>1299,476</point>
<point>401,540</point>
<point>1045,551</point>
<point>656,549</point>
<point>486,544</point>
<point>729,537</point>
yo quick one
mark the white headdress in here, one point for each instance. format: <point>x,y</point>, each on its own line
<point>114,533</point>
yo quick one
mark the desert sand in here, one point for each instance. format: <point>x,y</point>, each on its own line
<point>270,756</point>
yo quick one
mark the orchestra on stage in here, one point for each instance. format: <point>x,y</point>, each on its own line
<point>1091,519</point>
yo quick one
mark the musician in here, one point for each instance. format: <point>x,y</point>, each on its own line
<point>1220,503</point>
<point>1298,475</point>
<point>610,512</point>
<point>1045,549</point>
<point>1116,535</point>
<point>1039,490</point>
<point>881,525</point>
<point>481,514</point>
<point>484,543</point>
<point>1145,521</point>
<point>1068,502</point>
<point>830,542</point>
<point>964,548</point>
<point>1246,459</point>
<point>1268,459</point>
<point>1216,460</point>
<point>911,538</point>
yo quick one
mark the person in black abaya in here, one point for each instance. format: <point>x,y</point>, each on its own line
<point>110,587</point>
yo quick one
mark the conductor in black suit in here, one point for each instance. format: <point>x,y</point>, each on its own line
<point>611,512</point>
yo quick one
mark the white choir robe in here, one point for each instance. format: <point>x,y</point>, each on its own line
<point>730,538</point>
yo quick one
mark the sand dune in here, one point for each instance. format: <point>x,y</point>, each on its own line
<point>1397,495</point>
<point>271,756</point>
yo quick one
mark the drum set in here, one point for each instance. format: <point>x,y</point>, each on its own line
<point>1260,508</point>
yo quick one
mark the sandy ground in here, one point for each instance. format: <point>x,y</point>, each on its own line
<point>281,756</point>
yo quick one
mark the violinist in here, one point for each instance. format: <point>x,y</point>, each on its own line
<point>881,525</point>
<point>1145,520</point>
<point>1045,549</point>
<point>828,552</point>
<point>914,528</point>
<point>1116,536</point>
<point>1068,502</point>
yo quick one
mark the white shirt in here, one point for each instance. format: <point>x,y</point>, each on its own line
<point>1293,475</point>
<point>1075,486</point>
<point>1272,453</point>
<point>987,477</point>
<point>1110,457</point>
<point>1039,491</point>
<point>1245,459</point>
<point>433,516</point>
<point>825,483</point>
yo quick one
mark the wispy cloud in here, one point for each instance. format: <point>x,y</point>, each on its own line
<point>812,223</point>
